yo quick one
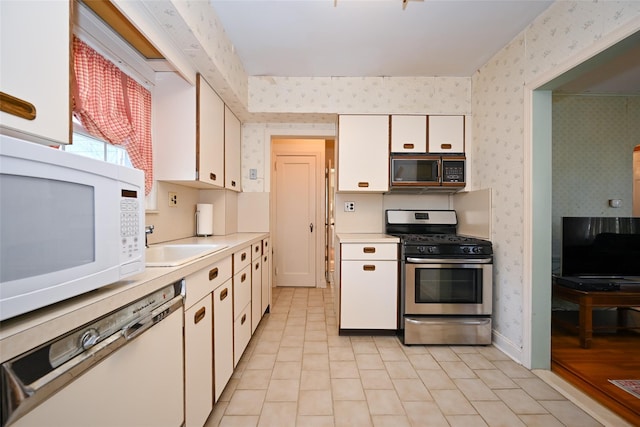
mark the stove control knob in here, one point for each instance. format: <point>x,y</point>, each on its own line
<point>466,249</point>
<point>477,250</point>
<point>431,249</point>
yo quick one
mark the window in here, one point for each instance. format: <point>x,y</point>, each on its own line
<point>95,148</point>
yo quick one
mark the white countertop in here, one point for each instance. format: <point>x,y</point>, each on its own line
<point>29,330</point>
<point>366,238</point>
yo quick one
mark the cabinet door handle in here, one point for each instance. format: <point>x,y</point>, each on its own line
<point>408,146</point>
<point>265,258</point>
<point>243,256</point>
<point>363,184</point>
<point>257,249</point>
<point>200,314</point>
<point>212,176</point>
<point>224,294</point>
<point>445,146</point>
<point>369,250</point>
<point>243,277</point>
<point>257,265</point>
<point>243,319</point>
<point>369,267</point>
<point>213,273</point>
<point>17,107</point>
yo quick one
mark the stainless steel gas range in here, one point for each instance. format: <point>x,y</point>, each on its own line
<point>446,279</point>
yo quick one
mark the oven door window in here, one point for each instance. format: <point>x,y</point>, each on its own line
<point>448,286</point>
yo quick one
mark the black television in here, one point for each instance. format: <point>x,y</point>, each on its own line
<point>600,247</point>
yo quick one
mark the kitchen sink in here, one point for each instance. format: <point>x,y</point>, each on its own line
<point>173,255</point>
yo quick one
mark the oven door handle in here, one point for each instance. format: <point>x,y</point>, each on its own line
<point>449,260</point>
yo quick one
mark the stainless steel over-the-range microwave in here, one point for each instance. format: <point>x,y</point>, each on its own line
<point>426,170</point>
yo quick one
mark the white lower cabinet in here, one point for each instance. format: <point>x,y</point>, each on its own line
<point>242,333</point>
<point>256,294</point>
<point>241,312</point>
<point>198,362</point>
<point>369,286</point>
<point>222,337</point>
<point>265,284</point>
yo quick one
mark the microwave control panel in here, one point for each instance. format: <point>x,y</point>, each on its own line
<point>130,223</point>
<point>453,171</point>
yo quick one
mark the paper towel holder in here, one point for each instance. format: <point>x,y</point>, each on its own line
<point>208,231</point>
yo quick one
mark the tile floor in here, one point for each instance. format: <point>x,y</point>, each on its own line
<point>297,371</point>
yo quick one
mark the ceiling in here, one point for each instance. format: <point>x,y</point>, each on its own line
<point>367,38</point>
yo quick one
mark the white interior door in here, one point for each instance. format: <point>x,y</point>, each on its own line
<point>296,227</point>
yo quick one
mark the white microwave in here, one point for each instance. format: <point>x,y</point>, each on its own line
<point>68,225</point>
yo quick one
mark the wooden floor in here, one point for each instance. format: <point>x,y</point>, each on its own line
<point>613,356</point>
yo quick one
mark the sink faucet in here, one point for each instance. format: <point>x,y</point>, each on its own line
<point>147,230</point>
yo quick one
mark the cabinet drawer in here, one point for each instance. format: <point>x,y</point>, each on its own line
<point>365,251</point>
<point>204,281</point>
<point>242,333</point>
<point>241,290</point>
<point>241,259</point>
<point>256,251</point>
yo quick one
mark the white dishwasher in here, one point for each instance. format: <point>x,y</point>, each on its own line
<point>124,369</point>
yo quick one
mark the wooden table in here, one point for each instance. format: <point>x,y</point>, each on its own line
<point>588,300</point>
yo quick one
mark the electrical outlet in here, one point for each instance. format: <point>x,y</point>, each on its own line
<point>349,206</point>
<point>253,173</point>
<point>173,199</point>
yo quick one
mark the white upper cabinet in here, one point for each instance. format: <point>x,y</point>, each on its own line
<point>189,132</point>
<point>210,135</point>
<point>232,143</point>
<point>446,134</point>
<point>34,69</point>
<point>408,134</point>
<point>363,153</point>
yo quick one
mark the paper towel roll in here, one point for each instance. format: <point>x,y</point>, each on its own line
<point>204,219</point>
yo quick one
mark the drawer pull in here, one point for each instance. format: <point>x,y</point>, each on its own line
<point>369,267</point>
<point>369,250</point>
<point>213,273</point>
<point>408,146</point>
<point>257,249</point>
<point>200,314</point>
<point>212,176</point>
<point>445,146</point>
<point>243,319</point>
<point>17,107</point>
<point>243,256</point>
<point>363,184</point>
<point>224,294</point>
<point>265,258</point>
<point>266,244</point>
<point>257,265</point>
<point>243,277</point>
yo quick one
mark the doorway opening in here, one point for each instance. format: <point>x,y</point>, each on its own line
<point>548,348</point>
<point>301,210</point>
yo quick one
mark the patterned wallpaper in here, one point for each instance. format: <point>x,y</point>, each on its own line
<point>593,141</point>
<point>557,35</point>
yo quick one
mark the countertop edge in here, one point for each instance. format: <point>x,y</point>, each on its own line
<point>30,330</point>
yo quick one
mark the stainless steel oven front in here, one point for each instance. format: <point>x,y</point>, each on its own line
<point>447,301</point>
<point>448,287</point>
